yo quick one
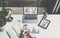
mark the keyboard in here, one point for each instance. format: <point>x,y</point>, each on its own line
<point>31,17</point>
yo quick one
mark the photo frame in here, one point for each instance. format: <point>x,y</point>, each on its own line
<point>44,23</point>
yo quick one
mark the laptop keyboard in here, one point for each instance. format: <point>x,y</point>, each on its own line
<point>31,17</point>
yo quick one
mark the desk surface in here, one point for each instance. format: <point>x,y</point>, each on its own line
<point>53,30</point>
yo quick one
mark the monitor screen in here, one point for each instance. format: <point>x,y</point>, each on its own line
<point>30,10</point>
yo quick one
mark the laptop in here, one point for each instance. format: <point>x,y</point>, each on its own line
<point>30,14</point>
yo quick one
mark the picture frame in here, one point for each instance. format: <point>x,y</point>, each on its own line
<point>44,23</point>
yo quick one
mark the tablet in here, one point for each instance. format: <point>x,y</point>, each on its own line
<point>44,23</point>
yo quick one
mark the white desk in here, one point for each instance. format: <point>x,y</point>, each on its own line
<point>53,30</point>
<point>3,35</point>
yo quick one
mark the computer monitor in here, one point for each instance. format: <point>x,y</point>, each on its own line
<point>30,10</point>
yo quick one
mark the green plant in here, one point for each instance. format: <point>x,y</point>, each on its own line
<point>3,13</point>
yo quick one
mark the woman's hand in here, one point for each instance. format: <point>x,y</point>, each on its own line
<point>30,35</point>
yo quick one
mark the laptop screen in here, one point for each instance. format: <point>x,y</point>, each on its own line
<point>30,10</point>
